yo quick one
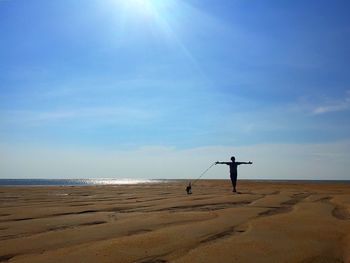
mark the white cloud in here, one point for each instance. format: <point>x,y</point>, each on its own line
<point>271,161</point>
<point>340,106</point>
<point>320,104</point>
<point>333,106</point>
<point>108,114</point>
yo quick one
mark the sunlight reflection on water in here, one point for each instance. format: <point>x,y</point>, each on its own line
<point>72,182</point>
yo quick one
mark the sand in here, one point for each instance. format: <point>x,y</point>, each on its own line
<point>266,222</point>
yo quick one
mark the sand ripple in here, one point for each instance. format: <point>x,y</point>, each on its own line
<point>266,222</point>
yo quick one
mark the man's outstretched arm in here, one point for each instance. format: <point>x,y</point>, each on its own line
<point>244,163</point>
<point>222,163</point>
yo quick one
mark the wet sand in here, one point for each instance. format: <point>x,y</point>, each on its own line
<point>266,222</point>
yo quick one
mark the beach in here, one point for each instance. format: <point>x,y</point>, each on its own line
<point>159,222</point>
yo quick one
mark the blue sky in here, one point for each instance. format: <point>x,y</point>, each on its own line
<point>173,74</point>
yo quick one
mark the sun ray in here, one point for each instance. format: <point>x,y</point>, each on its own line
<point>162,16</point>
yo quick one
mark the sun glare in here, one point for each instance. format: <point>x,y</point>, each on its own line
<point>141,7</point>
<point>162,17</point>
<point>141,3</point>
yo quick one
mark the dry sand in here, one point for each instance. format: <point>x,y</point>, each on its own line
<point>267,222</point>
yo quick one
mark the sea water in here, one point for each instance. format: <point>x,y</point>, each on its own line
<point>129,181</point>
<point>75,182</point>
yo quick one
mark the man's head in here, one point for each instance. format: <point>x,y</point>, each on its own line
<point>233,159</point>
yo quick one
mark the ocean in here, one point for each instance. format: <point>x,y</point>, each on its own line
<point>75,182</point>
<point>115,181</point>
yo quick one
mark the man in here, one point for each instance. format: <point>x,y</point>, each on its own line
<point>233,170</point>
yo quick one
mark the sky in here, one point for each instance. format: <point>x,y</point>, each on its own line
<point>164,88</point>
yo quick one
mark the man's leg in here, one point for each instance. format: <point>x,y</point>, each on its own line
<point>234,181</point>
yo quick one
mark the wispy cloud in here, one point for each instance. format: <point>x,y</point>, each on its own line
<point>340,106</point>
<point>333,106</point>
<point>318,105</point>
<point>108,114</point>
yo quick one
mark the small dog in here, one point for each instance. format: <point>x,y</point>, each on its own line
<point>189,189</point>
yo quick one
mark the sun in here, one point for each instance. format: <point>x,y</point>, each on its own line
<point>141,7</point>
<point>141,3</point>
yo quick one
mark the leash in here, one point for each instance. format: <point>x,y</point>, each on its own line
<point>189,187</point>
<point>203,173</point>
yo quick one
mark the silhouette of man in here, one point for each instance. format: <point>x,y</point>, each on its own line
<point>233,170</point>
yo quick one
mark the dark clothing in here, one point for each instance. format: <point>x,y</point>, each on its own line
<point>233,179</point>
<point>233,168</point>
<point>233,172</point>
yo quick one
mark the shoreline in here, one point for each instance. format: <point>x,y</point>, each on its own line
<point>33,182</point>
